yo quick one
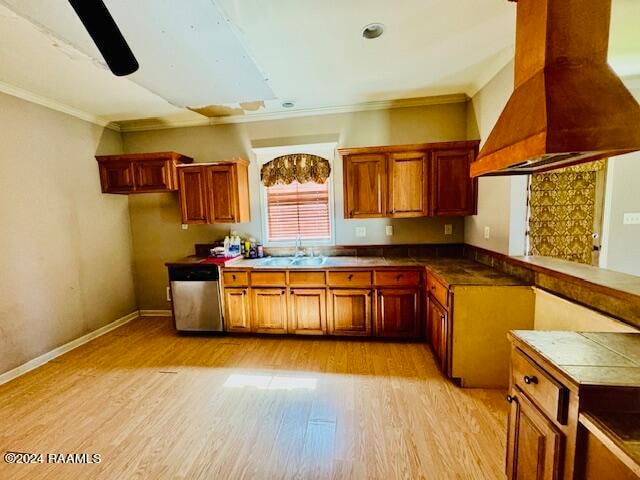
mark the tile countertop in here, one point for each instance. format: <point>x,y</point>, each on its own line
<point>454,271</point>
<point>586,358</point>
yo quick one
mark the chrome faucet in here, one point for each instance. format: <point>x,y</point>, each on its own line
<point>299,251</point>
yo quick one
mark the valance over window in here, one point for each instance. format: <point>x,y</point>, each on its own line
<point>300,167</point>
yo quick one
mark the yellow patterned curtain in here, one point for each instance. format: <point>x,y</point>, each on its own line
<point>300,167</point>
<point>562,212</point>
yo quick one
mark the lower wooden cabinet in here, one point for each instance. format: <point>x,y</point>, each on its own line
<point>349,312</point>
<point>438,332</point>
<point>308,311</point>
<point>534,444</point>
<point>269,310</point>
<point>398,312</point>
<point>237,312</point>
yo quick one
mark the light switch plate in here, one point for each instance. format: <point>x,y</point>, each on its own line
<point>361,232</point>
<point>185,226</point>
<point>448,229</point>
<point>388,230</point>
<point>487,233</point>
<point>631,219</point>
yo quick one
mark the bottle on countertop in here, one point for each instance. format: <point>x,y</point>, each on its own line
<point>247,248</point>
<point>253,250</point>
<point>260,250</point>
<point>227,246</point>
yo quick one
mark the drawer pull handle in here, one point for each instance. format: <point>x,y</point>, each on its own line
<point>233,277</point>
<point>530,380</point>
<point>398,277</point>
<point>433,287</point>
<point>350,277</point>
<point>512,398</point>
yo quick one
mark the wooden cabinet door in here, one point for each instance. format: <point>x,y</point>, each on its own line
<point>454,192</point>
<point>236,310</point>
<point>222,194</point>
<point>308,311</point>
<point>269,310</point>
<point>438,333</point>
<point>408,180</point>
<point>116,177</point>
<point>534,444</point>
<point>397,312</point>
<point>193,198</point>
<point>350,312</point>
<point>365,186</point>
<point>151,175</point>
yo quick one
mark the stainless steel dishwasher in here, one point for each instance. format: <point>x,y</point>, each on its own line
<point>195,291</point>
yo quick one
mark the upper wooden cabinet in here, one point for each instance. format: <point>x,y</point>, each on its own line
<point>453,193</point>
<point>214,192</point>
<point>365,186</point>
<point>140,172</point>
<point>401,181</point>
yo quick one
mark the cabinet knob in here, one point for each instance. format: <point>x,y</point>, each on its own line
<point>351,213</point>
<point>530,380</point>
<point>511,398</point>
<point>350,277</point>
<point>233,277</point>
<point>442,317</point>
<point>398,277</point>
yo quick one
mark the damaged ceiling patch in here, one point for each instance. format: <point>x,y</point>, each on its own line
<point>228,110</point>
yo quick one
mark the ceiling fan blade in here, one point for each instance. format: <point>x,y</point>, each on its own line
<point>107,36</point>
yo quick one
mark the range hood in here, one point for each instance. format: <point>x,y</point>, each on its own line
<point>568,106</point>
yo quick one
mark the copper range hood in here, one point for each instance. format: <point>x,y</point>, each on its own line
<point>568,106</point>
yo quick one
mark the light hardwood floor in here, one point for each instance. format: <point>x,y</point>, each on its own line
<point>156,405</point>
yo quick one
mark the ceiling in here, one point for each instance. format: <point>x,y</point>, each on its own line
<point>218,53</point>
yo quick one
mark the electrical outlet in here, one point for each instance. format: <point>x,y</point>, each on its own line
<point>185,226</point>
<point>448,229</point>
<point>487,233</point>
<point>631,219</point>
<point>168,294</point>
<point>388,230</point>
<point>361,232</point>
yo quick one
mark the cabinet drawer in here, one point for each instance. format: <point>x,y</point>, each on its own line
<point>544,390</point>
<point>306,278</point>
<point>235,278</point>
<point>268,279</point>
<point>439,291</point>
<point>349,279</point>
<point>392,278</point>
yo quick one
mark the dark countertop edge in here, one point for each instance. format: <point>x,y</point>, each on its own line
<point>611,440</point>
<point>407,263</point>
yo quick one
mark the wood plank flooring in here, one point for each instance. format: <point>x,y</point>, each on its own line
<point>155,405</point>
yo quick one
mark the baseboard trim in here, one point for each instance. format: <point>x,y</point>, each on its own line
<point>67,347</point>
<point>156,313</point>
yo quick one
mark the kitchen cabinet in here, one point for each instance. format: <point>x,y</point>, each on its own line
<point>437,324</point>
<point>237,315</point>
<point>534,443</point>
<point>401,181</point>
<point>350,312</point>
<point>193,200</point>
<point>269,310</point>
<point>140,172</point>
<point>408,184</point>
<point>365,186</point>
<point>453,192</point>
<point>398,312</point>
<point>214,192</point>
<point>308,311</point>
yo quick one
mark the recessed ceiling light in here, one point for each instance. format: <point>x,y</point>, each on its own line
<point>373,30</point>
<point>287,104</point>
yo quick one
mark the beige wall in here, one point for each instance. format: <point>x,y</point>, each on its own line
<point>501,200</point>
<point>155,219</point>
<point>555,313</point>
<point>66,247</point>
<point>621,243</point>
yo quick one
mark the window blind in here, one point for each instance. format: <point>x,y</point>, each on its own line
<point>298,209</point>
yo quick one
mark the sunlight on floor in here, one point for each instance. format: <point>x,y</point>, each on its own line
<point>271,382</point>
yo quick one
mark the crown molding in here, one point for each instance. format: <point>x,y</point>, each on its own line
<point>57,106</point>
<point>144,125</point>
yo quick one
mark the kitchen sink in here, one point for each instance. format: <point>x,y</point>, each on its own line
<point>309,261</point>
<point>293,262</point>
